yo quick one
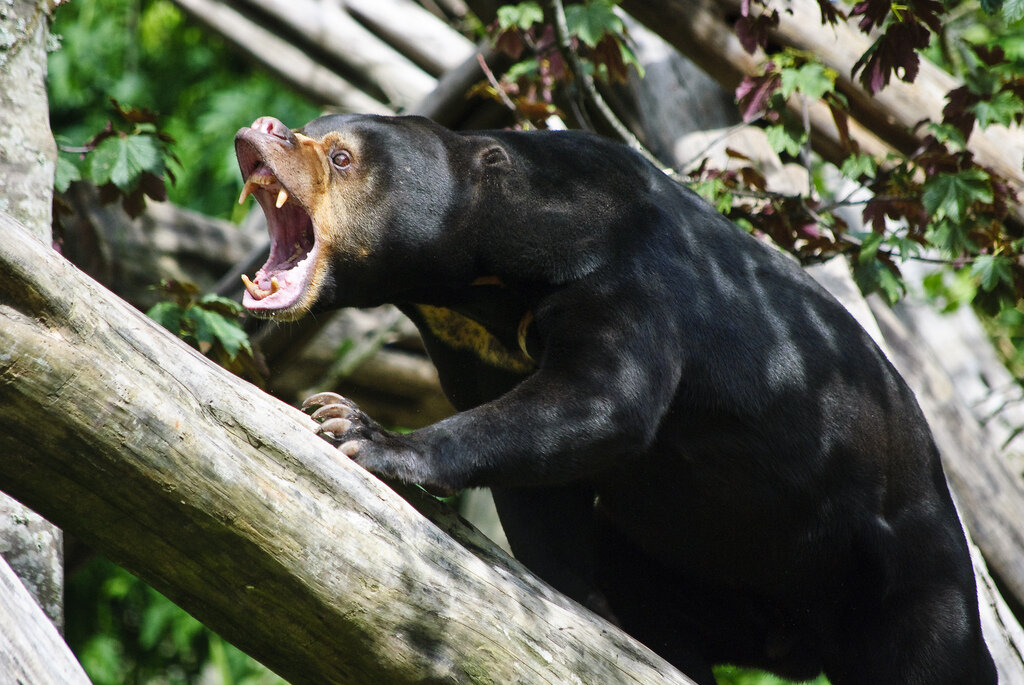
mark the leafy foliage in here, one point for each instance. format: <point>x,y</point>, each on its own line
<point>540,79</point>
<point>146,53</point>
<point>210,324</point>
<point>936,200</point>
<point>133,634</point>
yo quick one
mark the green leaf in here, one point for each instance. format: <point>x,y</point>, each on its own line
<point>211,328</point>
<point>527,67</point>
<point>890,286</point>
<point>950,289</point>
<point>523,16</point>
<point>782,141</point>
<point>714,191</point>
<point>225,306</point>
<point>857,165</point>
<point>591,21</point>
<point>65,174</point>
<point>812,79</point>
<point>168,315</point>
<point>992,270</point>
<point>870,242</point>
<point>947,133</point>
<point>1000,109</point>
<point>122,159</point>
<point>951,195</point>
<point>873,276</point>
<point>1013,10</point>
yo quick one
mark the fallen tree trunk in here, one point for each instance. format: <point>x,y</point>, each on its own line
<point>223,499</point>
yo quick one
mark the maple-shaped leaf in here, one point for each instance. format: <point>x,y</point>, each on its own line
<point>830,14</point>
<point>1004,108</point>
<point>873,13</point>
<point>951,195</point>
<point>928,12</point>
<point>590,22</point>
<point>895,50</point>
<point>991,270</point>
<point>121,160</point>
<point>511,43</point>
<point>522,16</point>
<point>135,115</point>
<point>880,207</point>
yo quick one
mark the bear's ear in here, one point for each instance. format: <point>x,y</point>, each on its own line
<point>494,155</point>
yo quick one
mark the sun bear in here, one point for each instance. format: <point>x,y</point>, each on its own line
<point>681,429</point>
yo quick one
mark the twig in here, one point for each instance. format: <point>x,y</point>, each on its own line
<point>505,99</point>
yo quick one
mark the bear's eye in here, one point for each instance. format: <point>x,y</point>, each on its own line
<point>341,159</point>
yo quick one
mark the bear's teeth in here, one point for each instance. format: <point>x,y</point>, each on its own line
<point>257,292</point>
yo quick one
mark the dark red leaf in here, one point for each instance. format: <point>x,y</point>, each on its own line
<point>829,13</point>
<point>927,11</point>
<point>958,111</point>
<point>894,51</point>
<point>511,43</point>
<point>872,13</point>
<point>754,92</point>
<point>753,31</point>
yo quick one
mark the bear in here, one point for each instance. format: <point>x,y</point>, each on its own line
<point>682,431</point>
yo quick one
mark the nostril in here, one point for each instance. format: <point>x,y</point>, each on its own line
<point>271,126</point>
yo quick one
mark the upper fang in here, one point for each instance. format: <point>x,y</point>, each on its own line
<point>282,197</point>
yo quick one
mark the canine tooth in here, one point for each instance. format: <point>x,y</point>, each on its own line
<point>282,197</point>
<point>274,285</point>
<point>257,292</point>
<point>246,191</point>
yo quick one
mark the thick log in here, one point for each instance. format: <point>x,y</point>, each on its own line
<point>699,31</point>
<point>990,495</point>
<point>223,499</point>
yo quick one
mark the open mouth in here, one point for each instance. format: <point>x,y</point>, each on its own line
<point>285,277</point>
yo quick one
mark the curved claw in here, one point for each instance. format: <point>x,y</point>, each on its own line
<point>332,411</point>
<point>335,426</point>
<point>323,399</point>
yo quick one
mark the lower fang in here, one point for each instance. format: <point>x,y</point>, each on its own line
<point>282,197</point>
<point>257,292</point>
<point>274,285</point>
